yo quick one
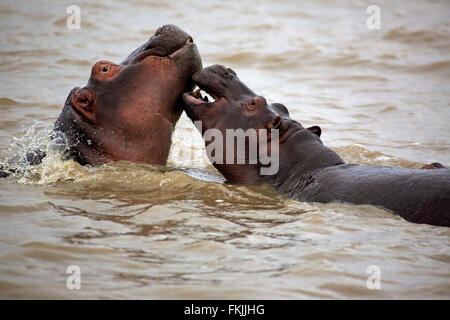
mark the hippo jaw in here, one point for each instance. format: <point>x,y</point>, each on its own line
<point>128,111</point>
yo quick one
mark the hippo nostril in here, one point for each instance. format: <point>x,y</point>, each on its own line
<point>189,40</point>
<point>252,102</point>
<point>232,71</point>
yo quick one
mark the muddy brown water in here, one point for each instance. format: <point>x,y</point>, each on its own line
<point>137,231</point>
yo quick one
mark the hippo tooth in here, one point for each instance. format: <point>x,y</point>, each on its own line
<point>196,93</point>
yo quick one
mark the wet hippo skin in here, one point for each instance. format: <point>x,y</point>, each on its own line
<point>308,170</point>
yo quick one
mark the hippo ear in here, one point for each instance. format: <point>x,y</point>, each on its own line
<point>83,101</point>
<point>281,109</point>
<point>316,130</point>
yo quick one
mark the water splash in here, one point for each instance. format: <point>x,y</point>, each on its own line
<point>187,148</point>
<point>187,155</point>
<point>39,138</point>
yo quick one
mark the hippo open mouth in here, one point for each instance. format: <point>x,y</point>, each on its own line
<point>208,86</point>
<point>201,97</point>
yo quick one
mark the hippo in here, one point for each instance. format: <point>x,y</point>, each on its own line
<point>307,170</point>
<point>128,111</point>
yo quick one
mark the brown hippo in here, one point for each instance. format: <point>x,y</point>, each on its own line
<point>128,111</point>
<point>307,170</point>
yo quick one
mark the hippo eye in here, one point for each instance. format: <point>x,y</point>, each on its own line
<point>105,69</point>
<point>251,104</point>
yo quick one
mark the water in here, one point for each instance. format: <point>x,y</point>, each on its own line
<point>138,231</point>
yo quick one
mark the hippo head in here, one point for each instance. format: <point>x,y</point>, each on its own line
<point>235,107</point>
<point>233,101</point>
<point>128,111</point>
